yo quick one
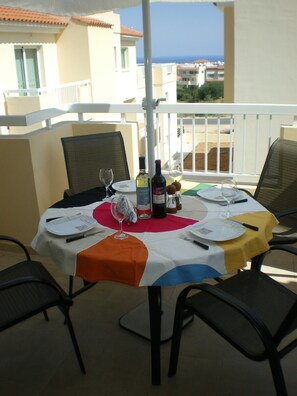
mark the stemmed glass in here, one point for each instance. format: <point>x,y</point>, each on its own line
<point>106,178</point>
<point>175,172</point>
<point>229,191</point>
<point>119,210</point>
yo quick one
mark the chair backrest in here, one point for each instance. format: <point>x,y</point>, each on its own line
<point>86,154</point>
<point>277,186</point>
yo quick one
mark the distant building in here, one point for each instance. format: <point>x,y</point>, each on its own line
<point>199,72</point>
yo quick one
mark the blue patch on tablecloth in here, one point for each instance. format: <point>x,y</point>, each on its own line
<point>189,273</point>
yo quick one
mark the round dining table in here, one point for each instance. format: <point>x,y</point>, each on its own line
<point>195,244</point>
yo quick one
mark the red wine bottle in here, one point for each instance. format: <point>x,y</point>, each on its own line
<point>158,192</point>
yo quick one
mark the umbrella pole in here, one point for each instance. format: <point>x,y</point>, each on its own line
<point>149,102</point>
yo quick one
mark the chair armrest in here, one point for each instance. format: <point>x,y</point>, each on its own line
<point>257,264</point>
<point>250,315</point>
<point>246,191</point>
<point>19,281</point>
<point>17,242</point>
<point>285,212</point>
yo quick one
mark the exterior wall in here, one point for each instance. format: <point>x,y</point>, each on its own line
<point>37,175</point>
<point>127,83</point>
<point>102,64</point>
<point>265,59</point>
<point>265,51</point>
<point>73,54</point>
<point>48,69</point>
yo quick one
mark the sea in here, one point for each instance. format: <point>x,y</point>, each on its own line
<point>183,59</point>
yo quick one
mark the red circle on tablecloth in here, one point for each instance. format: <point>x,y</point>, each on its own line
<point>169,223</point>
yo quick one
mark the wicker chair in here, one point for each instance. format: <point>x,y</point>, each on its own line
<point>86,154</point>
<point>253,312</point>
<point>27,289</point>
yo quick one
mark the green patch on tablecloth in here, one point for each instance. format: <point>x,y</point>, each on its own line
<point>193,190</point>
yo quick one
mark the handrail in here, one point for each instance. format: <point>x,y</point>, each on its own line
<point>178,108</point>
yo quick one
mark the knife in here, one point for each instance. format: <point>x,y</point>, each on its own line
<point>224,203</point>
<point>75,238</point>
<point>203,245</point>
<point>252,227</point>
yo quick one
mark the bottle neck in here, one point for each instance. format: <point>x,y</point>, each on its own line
<point>158,167</point>
<point>142,164</point>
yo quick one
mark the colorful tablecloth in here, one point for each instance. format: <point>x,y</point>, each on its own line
<point>158,252</point>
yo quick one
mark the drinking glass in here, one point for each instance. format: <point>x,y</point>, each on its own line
<point>119,210</point>
<point>106,178</point>
<point>229,191</point>
<point>175,172</point>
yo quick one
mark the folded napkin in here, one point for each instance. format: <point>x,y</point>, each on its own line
<point>191,188</point>
<point>126,206</point>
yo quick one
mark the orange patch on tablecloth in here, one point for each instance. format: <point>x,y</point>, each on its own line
<point>126,264</point>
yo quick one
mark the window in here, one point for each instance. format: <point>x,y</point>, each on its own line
<point>27,68</point>
<point>115,57</point>
<point>124,58</point>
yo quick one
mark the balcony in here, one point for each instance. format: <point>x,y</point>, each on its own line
<point>29,100</point>
<point>211,141</point>
<point>38,358</point>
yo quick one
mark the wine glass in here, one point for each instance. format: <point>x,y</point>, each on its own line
<point>229,191</point>
<point>175,172</point>
<point>106,178</point>
<point>119,210</point>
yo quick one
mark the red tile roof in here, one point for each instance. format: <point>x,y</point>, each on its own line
<point>9,14</point>
<point>130,32</point>
<point>201,61</point>
<point>92,22</point>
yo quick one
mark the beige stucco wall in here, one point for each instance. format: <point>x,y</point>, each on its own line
<point>73,54</point>
<point>33,174</point>
<point>264,68</point>
<point>265,51</point>
<point>289,132</point>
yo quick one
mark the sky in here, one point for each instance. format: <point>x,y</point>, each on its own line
<point>180,29</point>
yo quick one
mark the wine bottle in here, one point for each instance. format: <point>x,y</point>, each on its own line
<point>158,192</point>
<point>143,192</point>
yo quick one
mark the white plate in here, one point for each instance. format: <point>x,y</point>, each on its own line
<point>125,186</point>
<point>71,225</point>
<point>214,194</point>
<point>218,230</point>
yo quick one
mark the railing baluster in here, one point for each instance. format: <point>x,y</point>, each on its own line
<point>218,145</point>
<point>194,132</point>
<point>206,145</point>
<point>231,146</point>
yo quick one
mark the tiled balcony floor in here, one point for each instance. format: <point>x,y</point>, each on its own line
<point>37,357</point>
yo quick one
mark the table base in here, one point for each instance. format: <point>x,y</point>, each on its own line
<point>137,321</point>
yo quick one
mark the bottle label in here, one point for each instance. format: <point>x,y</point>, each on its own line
<point>143,198</point>
<point>159,195</point>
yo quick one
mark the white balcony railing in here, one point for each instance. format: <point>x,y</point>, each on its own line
<point>63,94</point>
<point>209,140</point>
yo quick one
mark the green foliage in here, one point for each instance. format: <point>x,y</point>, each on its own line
<point>208,92</point>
